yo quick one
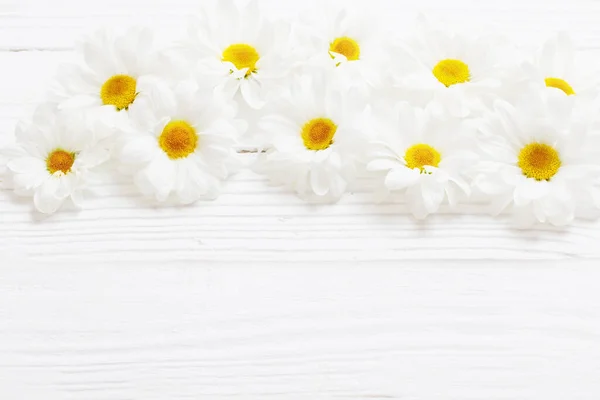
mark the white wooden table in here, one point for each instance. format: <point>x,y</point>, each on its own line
<point>258,296</point>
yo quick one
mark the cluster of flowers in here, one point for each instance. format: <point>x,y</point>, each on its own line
<point>440,117</point>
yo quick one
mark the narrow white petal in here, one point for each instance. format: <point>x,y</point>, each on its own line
<point>383,165</point>
<point>251,91</point>
<point>401,178</point>
<point>319,181</point>
<point>46,199</point>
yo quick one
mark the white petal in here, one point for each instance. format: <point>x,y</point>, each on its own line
<point>98,60</point>
<point>81,101</point>
<point>251,91</point>
<point>26,165</point>
<point>92,157</point>
<point>319,181</point>
<point>401,178</point>
<point>157,178</point>
<point>139,150</point>
<point>414,200</point>
<point>433,193</point>
<point>46,198</point>
<point>528,189</point>
<point>337,185</point>
<point>499,203</point>
<point>383,164</point>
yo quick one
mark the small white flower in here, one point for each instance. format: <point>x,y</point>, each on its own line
<point>541,158</point>
<point>556,66</point>
<point>316,137</point>
<point>426,158</point>
<point>183,142</point>
<point>117,69</point>
<point>54,158</point>
<point>460,71</point>
<point>244,52</point>
<point>345,41</point>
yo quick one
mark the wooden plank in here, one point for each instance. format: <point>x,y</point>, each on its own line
<point>418,330</point>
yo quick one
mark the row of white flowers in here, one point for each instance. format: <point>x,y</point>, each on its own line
<point>438,117</point>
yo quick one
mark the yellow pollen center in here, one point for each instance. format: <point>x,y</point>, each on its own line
<point>60,160</point>
<point>178,139</point>
<point>450,72</point>
<point>347,47</point>
<point>539,161</point>
<point>119,91</point>
<point>561,84</point>
<point>242,56</point>
<point>421,155</point>
<point>317,134</point>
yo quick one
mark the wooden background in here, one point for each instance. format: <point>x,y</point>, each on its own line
<point>258,296</point>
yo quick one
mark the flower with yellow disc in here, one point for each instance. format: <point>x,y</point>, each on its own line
<point>462,72</point>
<point>115,69</point>
<point>427,159</point>
<point>316,136</point>
<point>345,40</point>
<point>557,67</point>
<point>54,158</point>
<point>182,145</point>
<point>541,159</point>
<point>242,51</point>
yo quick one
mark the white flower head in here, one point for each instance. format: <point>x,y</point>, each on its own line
<point>117,69</point>
<point>316,139</point>
<point>183,143</point>
<point>541,158</point>
<point>244,52</point>
<point>54,158</point>
<point>346,41</point>
<point>557,67</point>
<point>460,71</point>
<point>426,158</point>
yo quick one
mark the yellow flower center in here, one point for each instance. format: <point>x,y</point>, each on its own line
<point>119,91</point>
<point>539,161</point>
<point>347,47</point>
<point>450,72</point>
<point>560,84</point>
<point>318,133</point>
<point>421,155</point>
<point>60,160</point>
<point>242,56</point>
<point>178,139</point>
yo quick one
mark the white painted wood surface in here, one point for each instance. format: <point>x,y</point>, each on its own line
<point>258,296</point>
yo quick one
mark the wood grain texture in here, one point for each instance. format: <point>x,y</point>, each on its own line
<point>460,331</point>
<point>260,296</point>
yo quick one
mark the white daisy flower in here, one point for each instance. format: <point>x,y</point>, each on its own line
<point>54,158</point>
<point>244,52</point>
<point>347,42</point>
<point>459,71</point>
<point>541,158</point>
<point>426,158</point>
<point>556,66</point>
<point>316,139</point>
<point>182,146</point>
<point>116,70</point>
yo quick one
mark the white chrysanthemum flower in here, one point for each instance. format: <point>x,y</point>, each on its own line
<point>244,52</point>
<point>182,146</point>
<point>54,158</point>
<point>542,158</point>
<point>556,66</point>
<point>316,139</point>
<point>345,41</point>
<point>116,70</point>
<point>460,72</point>
<point>426,158</point>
